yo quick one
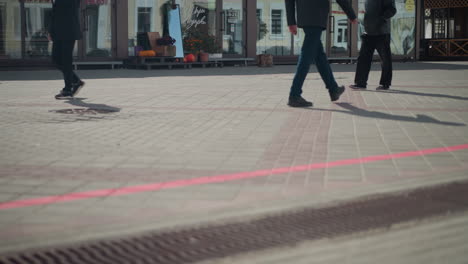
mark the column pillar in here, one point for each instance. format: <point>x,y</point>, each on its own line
<point>251,28</point>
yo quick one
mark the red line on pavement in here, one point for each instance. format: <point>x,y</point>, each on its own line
<point>218,178</point>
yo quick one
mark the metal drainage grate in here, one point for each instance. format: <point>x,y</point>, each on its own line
<point>283,229</point>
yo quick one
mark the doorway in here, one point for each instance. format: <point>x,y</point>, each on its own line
<point>232,28</point>
<point>98,30</point>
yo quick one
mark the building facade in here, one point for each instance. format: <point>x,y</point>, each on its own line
<point>444,29</point>
<point>242,28</point>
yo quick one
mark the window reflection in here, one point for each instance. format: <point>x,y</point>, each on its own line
<point>273,35</point>
<point>37,24</point>
<point>403,27</point>
<point>98,29</point>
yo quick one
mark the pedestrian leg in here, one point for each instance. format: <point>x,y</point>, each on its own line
<point>385,53</point>
<point>305,59</point>
<point>364,61</point>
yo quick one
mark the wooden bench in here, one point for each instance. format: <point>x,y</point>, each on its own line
<point>222,61</point>
<point>346,60</point>
<point>171,62</point>
<point>87,63</point>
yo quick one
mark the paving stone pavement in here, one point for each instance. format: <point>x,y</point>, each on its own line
<point>132,128</point>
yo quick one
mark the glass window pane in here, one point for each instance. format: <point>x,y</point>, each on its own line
<point>404,28</point>
<point>143,16</point>
<point>10,30</point>
<point>99,29</point>
<point>198,18</point>
<point>233,42</point>
<point>276,22</point>
<point>273,35</point>
<point>37,22</point>
<point>144,19</point>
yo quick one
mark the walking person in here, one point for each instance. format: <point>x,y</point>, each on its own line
<point>64,30</point>
<point>312,17</point>
<point>376,36</point>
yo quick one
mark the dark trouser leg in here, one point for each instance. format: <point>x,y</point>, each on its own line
<point>323,67</point>
<point>57,54</point>
<point>308,52</point>
<point>364,61</point>
<point>385,53</point>
<point>62,55</point>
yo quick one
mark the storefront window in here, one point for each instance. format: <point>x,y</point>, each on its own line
<point>98,28</point>
<point>37,24</point>
<point>10,29</point>
<point>199,15</point>
<point>273,35</point>
<point>403,27</point>
<point>198,18</point>
<point>143,16</point>
<point>299,39</point>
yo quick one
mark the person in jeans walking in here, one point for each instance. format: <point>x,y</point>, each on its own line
<point>312,17</point>
<point>376,36</point>
<point>64,30</point>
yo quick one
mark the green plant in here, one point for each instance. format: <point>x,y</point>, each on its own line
<point>192,45</point>
<point>210,44</point>
<point>198,41</point>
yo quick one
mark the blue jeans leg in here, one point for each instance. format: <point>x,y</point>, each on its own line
<point>312,51</point>
<point>323,67</point>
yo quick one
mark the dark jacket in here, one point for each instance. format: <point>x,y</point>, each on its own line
<point>65,20</point>
<point>377,16</point>
<point>314,13</point>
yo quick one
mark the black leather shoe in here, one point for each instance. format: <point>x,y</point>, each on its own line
<point>76,88</point>
<point>335,93</point>
<point>64,94</point>
<point>298,101</point>
<point>357,87</point>
<point>383,87</point>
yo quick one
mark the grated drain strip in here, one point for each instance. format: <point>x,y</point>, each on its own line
<point>283,229</point>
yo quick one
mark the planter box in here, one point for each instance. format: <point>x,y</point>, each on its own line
<point>165,51</point>
<point>265,60</point>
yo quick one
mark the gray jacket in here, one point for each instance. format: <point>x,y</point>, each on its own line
<point>312,13</point>
<point>377,16</point>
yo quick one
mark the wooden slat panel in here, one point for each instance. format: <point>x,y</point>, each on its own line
<point>458,47</point>
<point>458,3</point>
<point>433,4</point>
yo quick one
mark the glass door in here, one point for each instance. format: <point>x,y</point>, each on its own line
<point>233,28</point>
<point>97,29</point>
<point>338,32</point>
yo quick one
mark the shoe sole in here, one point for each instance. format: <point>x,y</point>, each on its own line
<point>358,88</point>
<point>306,105</point>
<point>63,98</point>
<point>299,106</point>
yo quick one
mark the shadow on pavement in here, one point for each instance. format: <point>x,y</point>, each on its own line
<point>421,94</point>
<point>353,110</point>
<point>86,112</point>
<point>99,108</point>
<point>226,71</point>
